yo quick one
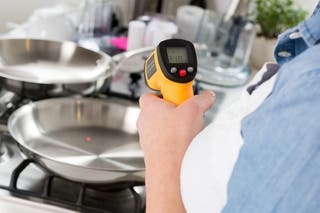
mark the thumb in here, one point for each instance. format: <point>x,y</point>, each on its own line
<point>204,101</point>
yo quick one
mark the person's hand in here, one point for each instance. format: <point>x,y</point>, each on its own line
<point>165,132</point>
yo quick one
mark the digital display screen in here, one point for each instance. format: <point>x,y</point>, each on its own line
<point>177,55</point>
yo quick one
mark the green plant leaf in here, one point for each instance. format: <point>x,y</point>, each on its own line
<point>275,16</point>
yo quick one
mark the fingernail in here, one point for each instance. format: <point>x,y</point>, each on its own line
<point>210,92</point>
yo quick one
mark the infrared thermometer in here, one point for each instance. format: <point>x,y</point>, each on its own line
<point>171,69</point>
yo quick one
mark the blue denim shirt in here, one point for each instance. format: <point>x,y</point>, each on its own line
<point>278,169</point>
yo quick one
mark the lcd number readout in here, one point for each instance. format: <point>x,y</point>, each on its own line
<point>177,55</point>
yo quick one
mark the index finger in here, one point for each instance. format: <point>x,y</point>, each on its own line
<point>147,99</point>
<point>152,99</point>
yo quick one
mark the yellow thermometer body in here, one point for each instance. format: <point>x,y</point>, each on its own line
<point>171,69</point>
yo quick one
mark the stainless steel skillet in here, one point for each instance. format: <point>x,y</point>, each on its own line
<point>87,140</point>
<point>38,68</point>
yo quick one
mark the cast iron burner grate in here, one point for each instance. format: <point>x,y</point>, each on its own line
<point>79,204</point>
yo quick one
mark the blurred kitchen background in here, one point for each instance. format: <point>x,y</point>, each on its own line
<point>16,11</point>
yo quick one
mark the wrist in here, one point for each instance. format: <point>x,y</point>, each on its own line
<point>163,187</point>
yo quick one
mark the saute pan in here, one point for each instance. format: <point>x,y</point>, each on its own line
<point>36,68</point>
<point>87,140</point>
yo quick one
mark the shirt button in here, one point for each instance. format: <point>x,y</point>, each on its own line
<point>284,54</point>
<point>295,35</point>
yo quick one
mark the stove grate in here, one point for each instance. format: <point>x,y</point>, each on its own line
<point>79,204</point>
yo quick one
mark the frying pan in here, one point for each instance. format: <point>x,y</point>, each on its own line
<point>38,68</point>
<point>87,140</point>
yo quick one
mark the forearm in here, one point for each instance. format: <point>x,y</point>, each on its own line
<point>163,187</point>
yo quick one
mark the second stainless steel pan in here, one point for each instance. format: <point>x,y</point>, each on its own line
<point>87,140</point>
<point>42,68</point>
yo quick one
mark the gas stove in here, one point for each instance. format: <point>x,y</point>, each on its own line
<point>24,179</point>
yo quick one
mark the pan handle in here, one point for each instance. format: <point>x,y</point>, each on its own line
<point>120,58</point>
